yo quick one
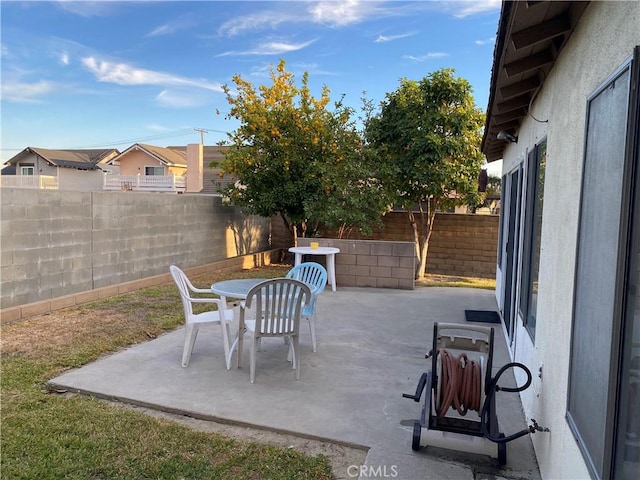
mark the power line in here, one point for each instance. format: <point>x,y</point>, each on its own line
<point>202,132</point>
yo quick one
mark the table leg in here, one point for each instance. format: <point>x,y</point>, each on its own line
<point>298,259</point>
<point>331,270</point>
<point>229,346</point>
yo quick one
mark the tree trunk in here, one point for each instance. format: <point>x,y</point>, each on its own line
<point>424,249</point>
<point>292,229</point>
<point>426,237</point>
<point>422,235</point>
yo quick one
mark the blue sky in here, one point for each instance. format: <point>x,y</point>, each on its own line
<point>109,74</point>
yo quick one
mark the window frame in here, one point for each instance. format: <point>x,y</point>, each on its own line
<point>608,456</point>
<point>154,168</point>
<point>532,238</point>
<point>27,167</point>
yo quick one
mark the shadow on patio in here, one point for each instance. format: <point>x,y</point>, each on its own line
<point>371,346</point>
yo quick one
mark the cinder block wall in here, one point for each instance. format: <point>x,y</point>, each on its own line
<point>20,312</point>
<point>464,245</point>
<point>55,243</point>
<point>369,263</point>
<point>461,244</point>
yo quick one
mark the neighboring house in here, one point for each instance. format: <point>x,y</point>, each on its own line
<point>141,167</point>
<point>58,169</point>
<point>150,168</point>
<point>175,168</point>
<point>563,115</point>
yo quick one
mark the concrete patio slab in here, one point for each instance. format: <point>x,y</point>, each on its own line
<point>371,346</point>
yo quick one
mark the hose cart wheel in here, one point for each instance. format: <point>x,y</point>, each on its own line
<point>415,442</point>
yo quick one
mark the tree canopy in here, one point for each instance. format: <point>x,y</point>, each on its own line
<point>292,156</point>
<point>426,138</point>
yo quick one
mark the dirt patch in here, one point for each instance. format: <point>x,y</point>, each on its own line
<point>344,459</point>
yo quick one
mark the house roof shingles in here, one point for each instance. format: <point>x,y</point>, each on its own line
<point>166,155</point>
<point>80,159</point>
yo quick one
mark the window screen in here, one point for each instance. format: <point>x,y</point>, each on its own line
<point>596,292</point>
<point>154,170</point>
<point>537,160</point>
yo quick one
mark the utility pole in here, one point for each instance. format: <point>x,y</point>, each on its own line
<point>202,132</point>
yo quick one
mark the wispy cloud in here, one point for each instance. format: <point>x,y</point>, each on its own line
<point>124,74</point>
<point>181,23</point>
<point>329,13</point>
<point>180,98</point>
<point>90,8</point>
<point>23,92</point>
<point>488,41</point>
<point>256,21</point>
<point>391,38</point>
<point>426,56</point>
<point>63,58</point>
<point>340,14</point>
<point>270,48</point>
<point>466,8</point>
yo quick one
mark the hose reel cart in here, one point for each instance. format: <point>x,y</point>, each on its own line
<point>458,384</point>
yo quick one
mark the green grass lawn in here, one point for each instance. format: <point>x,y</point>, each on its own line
<point>454,281</point>
<point>46,435</point>
<point>49,436</point>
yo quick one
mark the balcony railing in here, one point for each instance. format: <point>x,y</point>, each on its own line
<point>145,183</point>
<point>43,182</point>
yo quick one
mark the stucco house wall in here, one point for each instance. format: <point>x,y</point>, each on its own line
<point>602,42</point>
<point>80,180</point>
<point>41,167</point>
<point>68,178</point>
<point>73,170</point>
<point>134,162</point>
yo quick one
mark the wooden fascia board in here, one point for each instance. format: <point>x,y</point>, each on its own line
<point>531,62</point>
<point>515,89</point>
<point>541,32</point>
<point>513,104</point>
<point>509,125</point>
<point>512,115</point>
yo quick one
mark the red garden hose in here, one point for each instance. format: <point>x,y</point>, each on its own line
<point>461,383</point>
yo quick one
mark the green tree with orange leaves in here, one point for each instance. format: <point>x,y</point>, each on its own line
<point>296,157</point>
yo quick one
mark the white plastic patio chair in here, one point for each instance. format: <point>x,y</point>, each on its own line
<point>314,274</point>
<point>219,316</point>
<point>276,307</point>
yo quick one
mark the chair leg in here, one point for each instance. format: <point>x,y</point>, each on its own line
<point>312,328</point>
<point>240,348</point>
<point>290,352</point>
<point>190,334</point>
<point>296,359</point>
<point>226,335</point>
<point>252,358</point>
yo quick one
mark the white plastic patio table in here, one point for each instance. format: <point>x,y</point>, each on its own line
<point>328,252</point>
<point>238,288</point>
